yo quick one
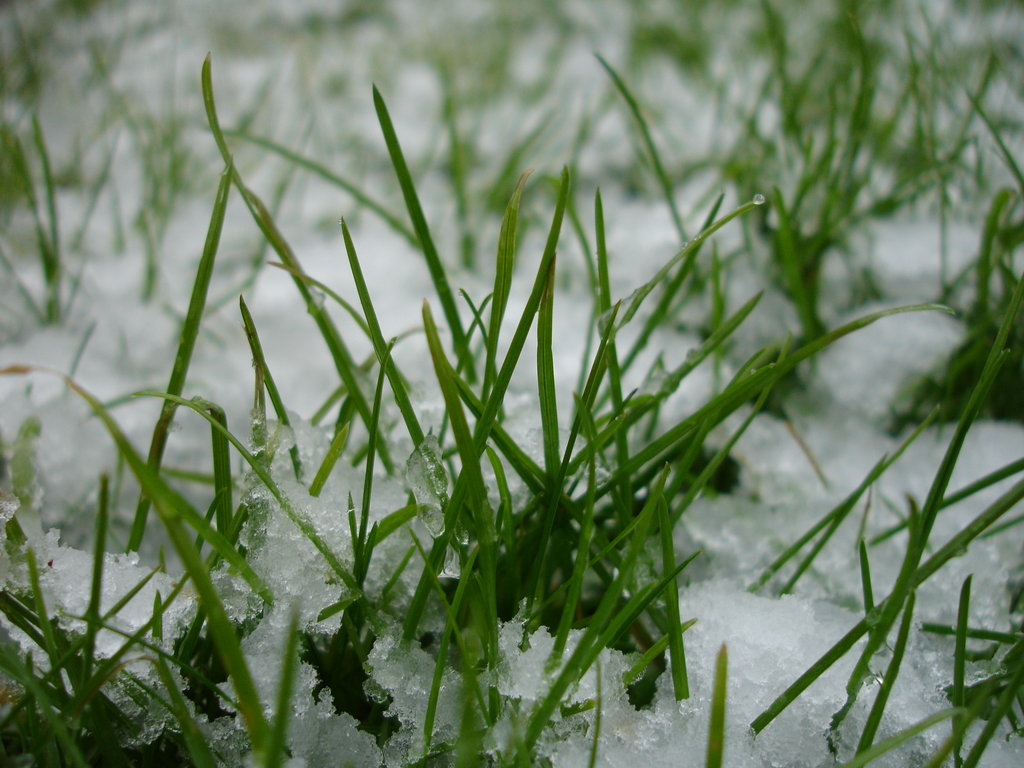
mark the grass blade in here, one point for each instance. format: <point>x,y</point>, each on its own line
<point>379,346</point>
<point>502,280</point>
<point>680,684</point>
<point>342,358</point>
<point>330,459</point>
<point>419,224</point>
<point>186,345</point>
<point>274,754</point>
<point>546,374</point>
<point>957,697</point>
<point>329,176</point>
<point>716,728</point>
<point>652,150</point>
<point>264,375</point>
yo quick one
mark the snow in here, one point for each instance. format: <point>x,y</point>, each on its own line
<point>307,88</point>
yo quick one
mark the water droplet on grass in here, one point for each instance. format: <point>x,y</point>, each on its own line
<point>758,199</point>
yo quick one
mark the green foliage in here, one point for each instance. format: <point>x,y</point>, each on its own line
<point>575,537</point>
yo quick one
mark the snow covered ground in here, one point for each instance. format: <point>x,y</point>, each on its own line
<point>119,107</point>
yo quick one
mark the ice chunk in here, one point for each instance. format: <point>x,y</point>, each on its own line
<point>427,478</point>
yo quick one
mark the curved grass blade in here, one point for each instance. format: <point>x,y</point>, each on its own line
<point>652,150</point>
<point>339,352</point>
<point>329,176</point>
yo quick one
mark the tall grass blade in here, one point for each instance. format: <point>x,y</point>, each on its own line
<point>652,150</point>
<point>502,280</point>
<point>380,347</point>
<point>957,697</point>
<point>183,356</point>
<point>677,656</point>
<point>264,375</point>
<point>716,728</point>
<point>419,224</point>
<point>339,352</point>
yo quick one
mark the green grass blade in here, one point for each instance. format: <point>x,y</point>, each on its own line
<point>677,655</point>
<point>865,578</point>
<point>652,150</point>
<point>92,610</point>
<point>183,356</point>
<point>264,374</point>
<point>464,442</point>
<point>716,728</point>
<point>379,345</point>
<point>330,459</point>
<point>546,374</point>
<point>419,223</point>
<point>614,372</point>
<point>957,697</point>
<point>331,177</point>
<point>582,561</point>
<point>903,736</point>
<point>339,352</point>
<point>867,736</point>
<point>502,280</point>
<point>359,543</point>
<point>277,741</point>
<point>785,249</point>
<point>222,481</point>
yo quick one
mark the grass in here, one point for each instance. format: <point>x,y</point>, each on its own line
<point>443,533</point>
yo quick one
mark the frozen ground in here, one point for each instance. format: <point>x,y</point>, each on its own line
<point>119,105</point>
